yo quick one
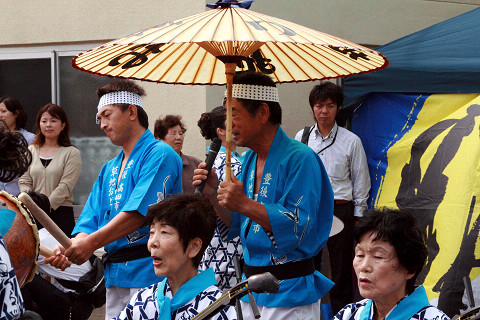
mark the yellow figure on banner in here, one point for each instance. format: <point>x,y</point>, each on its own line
<point>432,173</point>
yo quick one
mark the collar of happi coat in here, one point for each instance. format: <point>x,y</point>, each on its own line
<point>405,309</point>
<point>184,294</point>
<point>138,147</point>
<point>271,165</point>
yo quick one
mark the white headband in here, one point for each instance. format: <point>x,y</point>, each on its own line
<point>255,92</point>
<point>120,97</point>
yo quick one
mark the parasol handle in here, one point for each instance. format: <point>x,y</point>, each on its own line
<point>229,73</point>
<point>45,220</point>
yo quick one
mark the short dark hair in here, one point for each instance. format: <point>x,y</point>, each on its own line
<point>398,228</point>
<point>130,86</point>
<point>210,121</point>
<point>260,79</point>
<point>325,90</point>
<point>193,216</point>
<point>162,125</point>
<point>15,158</point>
<point>14,106</point>
<point>56,112</point>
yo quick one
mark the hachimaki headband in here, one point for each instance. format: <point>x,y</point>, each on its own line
<point>119,97</point>
<point>254,92</point>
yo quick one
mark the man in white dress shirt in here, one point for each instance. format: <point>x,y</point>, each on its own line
<point>344,159</point>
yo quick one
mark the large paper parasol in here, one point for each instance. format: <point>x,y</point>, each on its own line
<point>208,48</point>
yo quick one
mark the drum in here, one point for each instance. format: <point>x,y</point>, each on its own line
<point>20,234</point>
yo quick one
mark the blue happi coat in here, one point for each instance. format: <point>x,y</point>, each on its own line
<point>298,197</point>
<point>153,171</point>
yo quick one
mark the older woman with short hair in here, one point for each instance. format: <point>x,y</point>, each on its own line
<point>389,256</point>
<point>171,130</point>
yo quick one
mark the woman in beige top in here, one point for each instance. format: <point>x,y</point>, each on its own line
<point>56,165</point>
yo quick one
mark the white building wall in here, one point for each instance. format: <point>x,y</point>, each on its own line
<point>47,23</point>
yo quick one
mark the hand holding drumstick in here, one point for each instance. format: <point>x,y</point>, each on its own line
<point>56,259</point>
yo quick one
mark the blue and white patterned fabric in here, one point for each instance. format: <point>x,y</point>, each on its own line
<point>296,193</point>
<point>220,163</point>
<point>414,307</point>
<point>144,304</point>
<point>153,171</point>
<point>10,296</point>
<point>220,252</point>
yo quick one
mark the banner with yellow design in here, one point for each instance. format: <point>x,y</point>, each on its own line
<point>423,152</point>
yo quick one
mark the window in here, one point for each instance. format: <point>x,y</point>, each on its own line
<point>36,76</point>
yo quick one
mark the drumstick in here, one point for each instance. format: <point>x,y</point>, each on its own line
<point>47,252</point>
<point>45,220</point>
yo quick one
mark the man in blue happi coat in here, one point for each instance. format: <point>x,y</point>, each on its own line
<point>145,172</point>
<point>281,205</point>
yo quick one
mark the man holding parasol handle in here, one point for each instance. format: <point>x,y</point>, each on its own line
<point>281,205</point>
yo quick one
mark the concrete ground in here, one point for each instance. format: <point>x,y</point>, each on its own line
<point>98,314</point>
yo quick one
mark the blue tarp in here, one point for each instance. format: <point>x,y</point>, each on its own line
<point>443,58</point>
<point>422,151</point>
